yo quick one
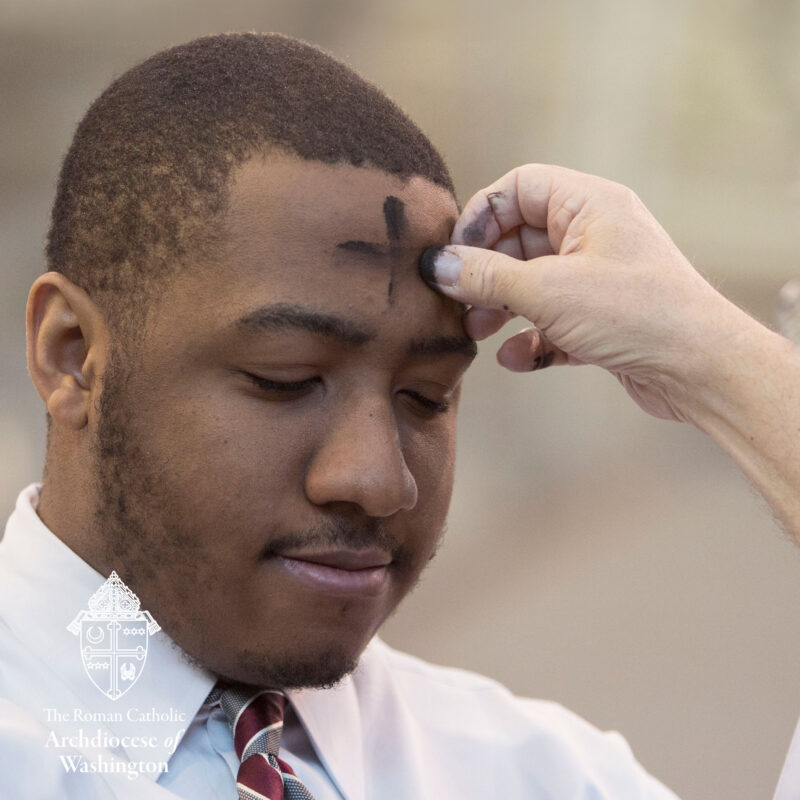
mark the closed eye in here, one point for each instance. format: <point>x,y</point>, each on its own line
<point>287,387</point>
<point>431,406</point>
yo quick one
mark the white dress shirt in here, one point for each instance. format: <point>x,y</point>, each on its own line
<point>396,728</point>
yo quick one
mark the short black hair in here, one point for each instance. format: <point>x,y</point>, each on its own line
<point>151,161</point>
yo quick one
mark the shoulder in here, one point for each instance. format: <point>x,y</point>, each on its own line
<point>465,694</point>
<point>539,742</point>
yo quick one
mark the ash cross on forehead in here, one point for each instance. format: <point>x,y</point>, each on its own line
<point>394,212</point>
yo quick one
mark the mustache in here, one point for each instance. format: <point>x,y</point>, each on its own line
<point>338,533</point>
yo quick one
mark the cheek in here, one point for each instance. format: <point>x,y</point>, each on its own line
<point>431,459</point>
<point>232,458</point>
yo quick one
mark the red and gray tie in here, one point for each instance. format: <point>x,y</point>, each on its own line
<point>256,719</point>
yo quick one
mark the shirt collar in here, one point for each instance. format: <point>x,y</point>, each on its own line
<point>44,585</point>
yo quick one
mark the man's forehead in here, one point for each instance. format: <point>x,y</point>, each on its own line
<point>331,246</point>
<point>347,233</point>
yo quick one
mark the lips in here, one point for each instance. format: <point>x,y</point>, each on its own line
<point>345,559</point>
<point>360,572</point>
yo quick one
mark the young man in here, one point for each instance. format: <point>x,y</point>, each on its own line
<point>251,401</point>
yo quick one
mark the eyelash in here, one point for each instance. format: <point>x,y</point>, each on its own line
<point>429,405</point>
<point>281,386</point>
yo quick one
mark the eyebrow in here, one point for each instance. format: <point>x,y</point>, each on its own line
<point>286,316</point>
<point>283,316</point>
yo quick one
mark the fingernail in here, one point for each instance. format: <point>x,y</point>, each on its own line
<point>440,266</point>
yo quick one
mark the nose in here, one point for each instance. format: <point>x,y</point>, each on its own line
<point>360,460</point>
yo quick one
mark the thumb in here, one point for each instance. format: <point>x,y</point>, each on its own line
<point>484,278</point>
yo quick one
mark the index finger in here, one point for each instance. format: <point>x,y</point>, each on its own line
<point>539,195</point>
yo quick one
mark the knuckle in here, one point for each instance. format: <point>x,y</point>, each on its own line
<point>495,280</point>
<point>632,198</point>
<point>627,197</point>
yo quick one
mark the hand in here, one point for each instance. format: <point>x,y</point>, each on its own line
<point>585,261</point>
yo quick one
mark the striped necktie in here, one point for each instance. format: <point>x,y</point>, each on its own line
<point>256,720</point>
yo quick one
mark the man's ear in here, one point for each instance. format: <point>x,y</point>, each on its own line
<point>67,344</point>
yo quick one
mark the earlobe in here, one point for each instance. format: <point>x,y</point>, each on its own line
<point>65,346</point>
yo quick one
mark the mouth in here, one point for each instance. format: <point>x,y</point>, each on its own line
<point>357,572</point>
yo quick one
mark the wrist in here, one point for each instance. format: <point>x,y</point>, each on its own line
<point>748,401</point>
<point>718,374</point>
<point>738,376</point>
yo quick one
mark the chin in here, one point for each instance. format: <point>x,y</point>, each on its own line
<point>319,670</point>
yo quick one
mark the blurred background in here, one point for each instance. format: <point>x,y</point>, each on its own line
<point>595,556</point>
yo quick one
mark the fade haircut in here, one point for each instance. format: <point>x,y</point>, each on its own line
<point>150,165</point>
